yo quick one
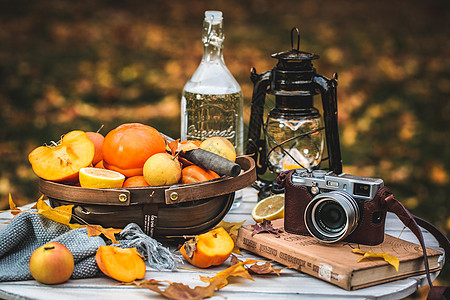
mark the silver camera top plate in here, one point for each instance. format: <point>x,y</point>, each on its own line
<point>321,181</point>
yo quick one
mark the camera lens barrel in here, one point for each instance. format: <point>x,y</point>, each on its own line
<point>331,217</point>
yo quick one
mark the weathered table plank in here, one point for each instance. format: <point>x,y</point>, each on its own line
<point>289,285</point>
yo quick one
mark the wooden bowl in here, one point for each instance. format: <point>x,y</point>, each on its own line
<point>161,211</point>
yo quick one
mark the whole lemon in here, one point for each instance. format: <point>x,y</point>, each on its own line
<point>220,146</point>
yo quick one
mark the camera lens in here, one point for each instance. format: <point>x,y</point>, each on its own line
<point>331,217</point>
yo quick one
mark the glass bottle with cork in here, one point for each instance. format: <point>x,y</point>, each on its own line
<point>212,100</point>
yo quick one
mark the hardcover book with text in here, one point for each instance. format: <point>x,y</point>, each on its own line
<point>336,263</point>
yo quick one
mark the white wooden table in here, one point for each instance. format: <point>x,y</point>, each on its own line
<point>291,284</point>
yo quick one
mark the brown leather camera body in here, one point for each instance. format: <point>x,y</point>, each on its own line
<point>370,228</point>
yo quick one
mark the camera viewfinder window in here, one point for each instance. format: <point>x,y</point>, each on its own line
<point>360,189</point>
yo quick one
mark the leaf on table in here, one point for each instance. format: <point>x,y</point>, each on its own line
<point>234,260</point>
<point>254,268</point>
<point>265,226</point>
<point>232,229</point>
<point>61,214</point>
<point>13,207</point>
<point>235,270</point>
<point>391,259</point>
<point>177,290</point>
<point>96,230</point>
<point>265,268</point>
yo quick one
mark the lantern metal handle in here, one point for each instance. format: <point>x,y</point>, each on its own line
<point>328,91</point>
<point>256,146</point>
<point>298,38</point>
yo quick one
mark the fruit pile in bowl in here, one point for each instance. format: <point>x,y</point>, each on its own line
<point>131,155</point>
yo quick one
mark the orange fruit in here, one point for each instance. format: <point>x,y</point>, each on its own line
<point>127,148</point>
<point>63,161</point>
<point>135,181</point>
<point>100,178</point>
<point>100,165</point>
<point>194,173</point>
<point>270,208</point>
<point>122,264</point>
<point>97,139</point>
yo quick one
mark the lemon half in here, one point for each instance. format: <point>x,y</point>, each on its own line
<point>100,178</point>
<point>270,208</point>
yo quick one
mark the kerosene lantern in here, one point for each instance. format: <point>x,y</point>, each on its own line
<point>293,134</point>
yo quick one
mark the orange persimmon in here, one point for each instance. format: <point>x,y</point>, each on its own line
<point>194,173</point>
<point>63,160</point>
<point>126,148</point>
<point>100,165</point>
<point>97,139</point>
<point>211,248</point>
<point>122,264</point>
<point>135,181</point>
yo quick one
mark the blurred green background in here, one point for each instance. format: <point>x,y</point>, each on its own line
<point>68,65</point>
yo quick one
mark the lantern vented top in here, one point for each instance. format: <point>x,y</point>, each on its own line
<point>295,54</point>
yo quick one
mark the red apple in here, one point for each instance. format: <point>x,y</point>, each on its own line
<point>51,263</point>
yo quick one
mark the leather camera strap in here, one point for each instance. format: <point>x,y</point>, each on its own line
<point>412,222</point>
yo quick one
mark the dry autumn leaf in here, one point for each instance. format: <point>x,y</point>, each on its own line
<point>234,260</point>
<point>235,270</point>
<point>265,268</point>
<point>265,226</point>
<point>96,230</point>
<point>181,291</point>
<point>176,146</point>
<point>254,268</point>
<point>13,207</point>
<point>63,214</point>
<point>173,146</point>
<point>391,259</point>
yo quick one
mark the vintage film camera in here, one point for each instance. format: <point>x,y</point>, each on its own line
<point>334,207</point>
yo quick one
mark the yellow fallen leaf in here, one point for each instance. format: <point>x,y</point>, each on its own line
<point>391,259</point>
<point>177,290</point>
<point>13,207</point>
<point>252,266</point>
<point>61,214</point>
<point>359,251</point>
<point>234,260</point>
<point>96,230</point>
<point>235,270</point>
